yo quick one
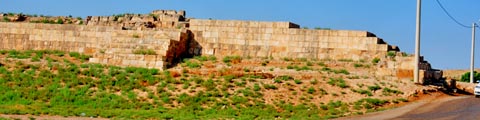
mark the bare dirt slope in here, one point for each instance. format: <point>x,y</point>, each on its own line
<point>290,87</point>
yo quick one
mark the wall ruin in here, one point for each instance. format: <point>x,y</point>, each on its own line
<point>108,45</point>
<point>156,19</point>
<point>284,39</point>
<point>112,40</point>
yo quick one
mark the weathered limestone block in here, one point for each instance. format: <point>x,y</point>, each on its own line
<point>93,60</point>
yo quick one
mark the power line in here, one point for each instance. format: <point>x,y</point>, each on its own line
<point>451,17</point>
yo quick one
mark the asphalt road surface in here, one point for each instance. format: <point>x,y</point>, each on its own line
<point>444,108</point>
<point>461,108</point>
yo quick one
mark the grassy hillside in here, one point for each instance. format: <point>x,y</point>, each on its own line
<point>59,83</point>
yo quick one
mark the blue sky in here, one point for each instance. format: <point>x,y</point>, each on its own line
<point>444,43</point>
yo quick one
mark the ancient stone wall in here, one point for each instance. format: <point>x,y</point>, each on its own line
<point>284,39</point>
<point>172,37</point>
<point>403,66</point>
<point>108,45</point>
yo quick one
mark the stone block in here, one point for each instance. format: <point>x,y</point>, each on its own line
<point>150,57</point>
<point>93,60</point>
<point>126,62</point>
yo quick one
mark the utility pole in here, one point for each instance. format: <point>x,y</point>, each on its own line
<point>472,62</point>
<point>417,43</point>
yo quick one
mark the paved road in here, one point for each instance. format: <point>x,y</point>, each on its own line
<point>444,108</point>
<point>459,108</point>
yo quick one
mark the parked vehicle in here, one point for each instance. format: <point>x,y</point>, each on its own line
<point>477,90</point>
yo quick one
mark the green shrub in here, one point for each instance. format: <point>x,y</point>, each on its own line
<point>35,59</point>
<point>341,71</point>
<point>356,65</point>
<point>277,81</point>
<point>311,90</point>
<point>3,52</point>
<point>338,82</point>
<point>59,21</point>
<point>375,60</point>
<point>74,54</point>
<point>375,101</point>
<point>287,59</point>
<point>289,67</point>
<point>264,63</point>
<point>402,99</point>
<point>5,19</point>
<point>388,91</point>
<point>391,53</point>
<point>229,78</point>
<point>298,81</point>
<point>209,84</point>
<point>192,64</point>
<point>302,59</point>
<point>466,77</point>
<point>256,87</point>
<point>285,77</point>
<point>84,57</point>
<point>321,64</point>
<point>297,68</point>
<point>303,68</point>
<point>370,103</point>
<point>268,86</point>
<point>345,60</point>
<point>320,28</point>
<point>228,59</point>
<point>18,54</point>
<point>361,91</point>
<point>201,58</point>
<point>206,58</point>
<point>374,88</point>
<point>342,85</point>
<point>144,52</point>
<point>58,53</point>
<point>326,69</point>
<point>136,36</point>
<point>309,63</point>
